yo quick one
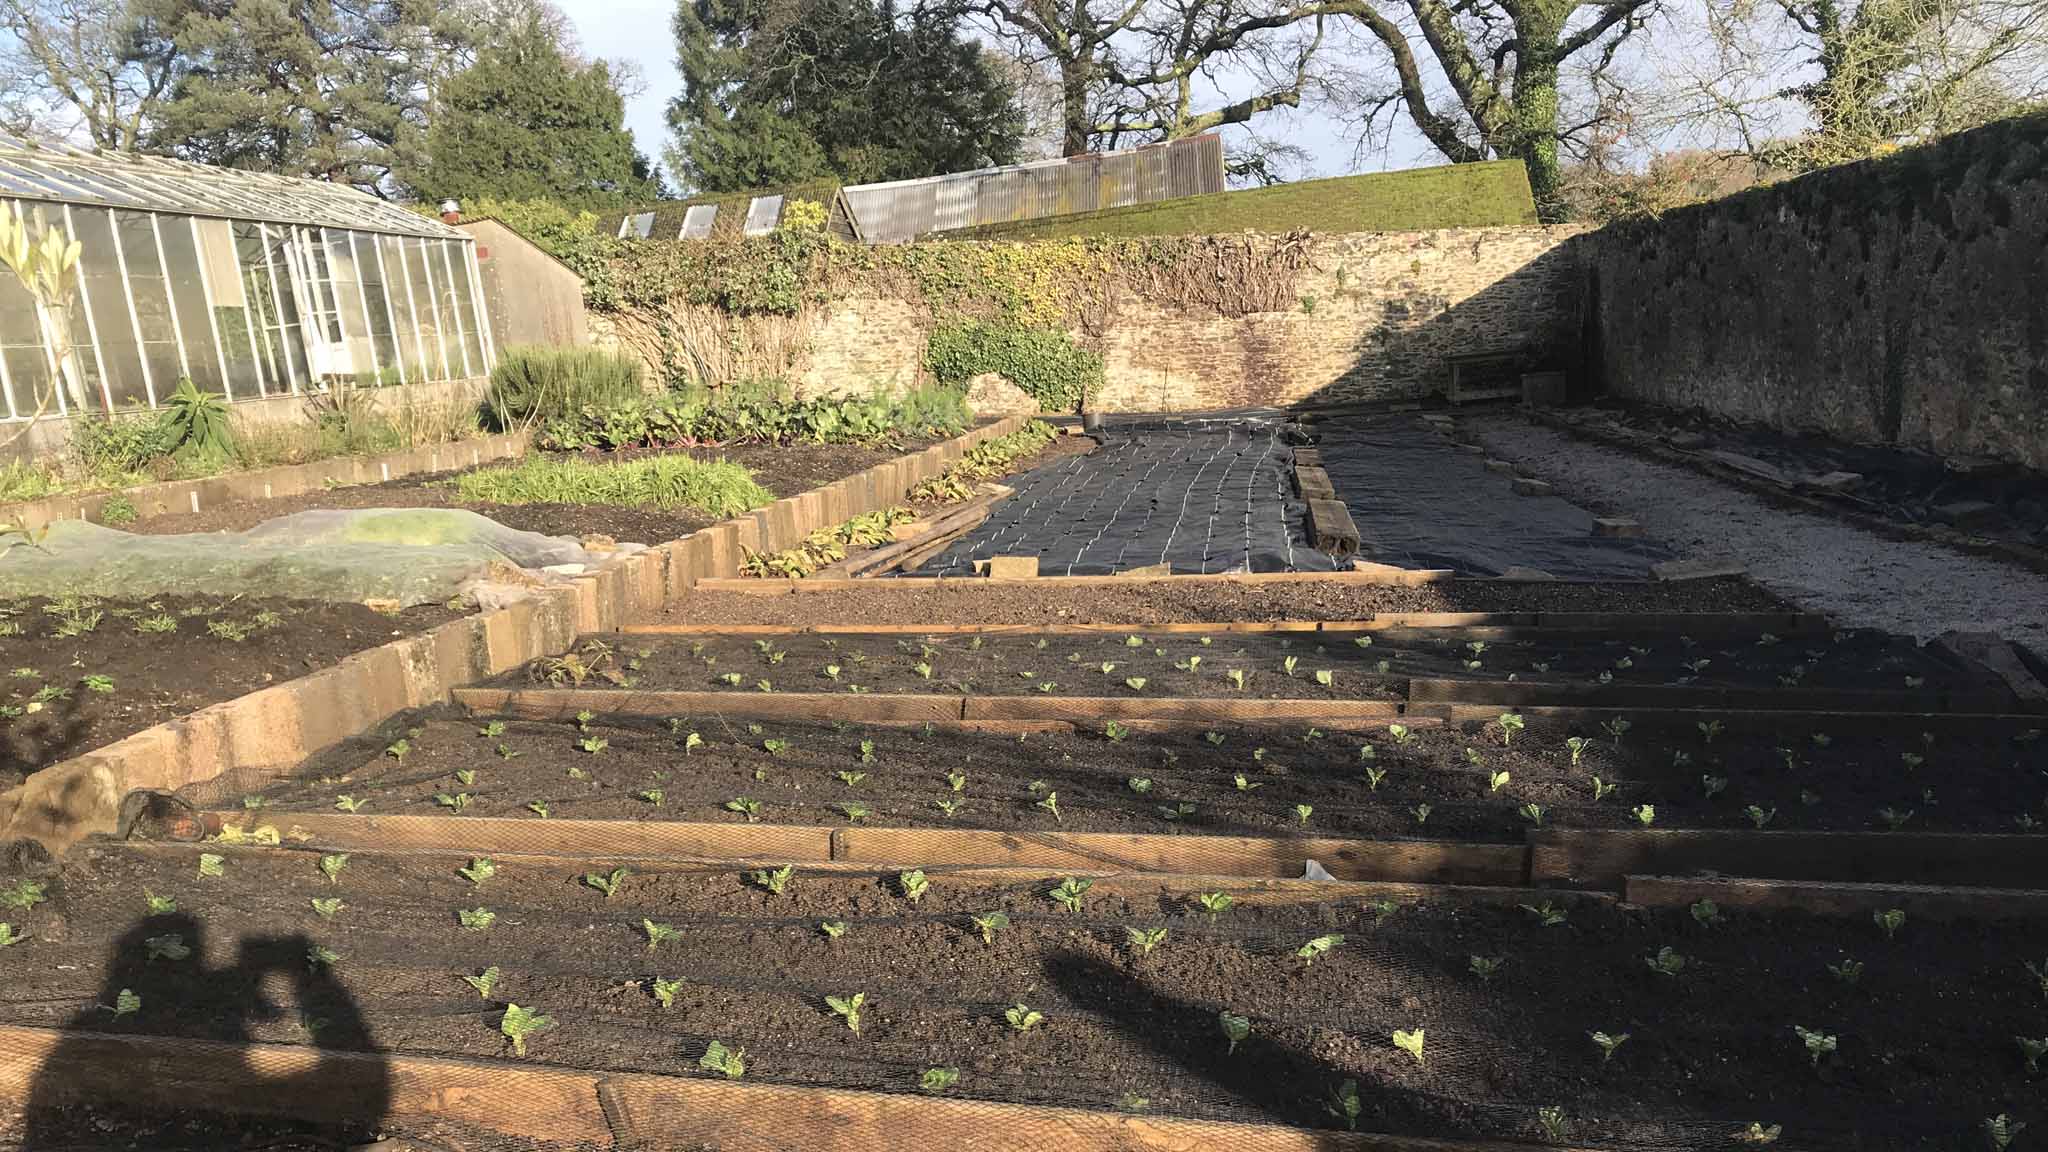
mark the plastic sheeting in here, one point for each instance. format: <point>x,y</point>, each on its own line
<point>1201,495</point>
<point>408,555</point>
<point>1421,502</point>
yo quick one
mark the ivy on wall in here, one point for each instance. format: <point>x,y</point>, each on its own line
<point>1044,362</point>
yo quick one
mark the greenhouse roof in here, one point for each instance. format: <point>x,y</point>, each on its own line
<point>64,174</point>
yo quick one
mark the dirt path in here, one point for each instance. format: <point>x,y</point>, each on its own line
<point>1822,564</point>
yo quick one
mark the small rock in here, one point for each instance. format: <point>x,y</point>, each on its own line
<point>1500,466</point>
<point>1834,481</point>
<point>1686,440</point>
<point>1525,486</point>
<point>1965,513</point>
<point>1618,526</point>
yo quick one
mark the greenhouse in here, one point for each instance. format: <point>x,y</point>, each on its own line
<point>248,284</point>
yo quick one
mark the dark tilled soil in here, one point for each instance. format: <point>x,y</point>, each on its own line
<point>1372,666</point>
<point>156,676</point>
<point>1923,1037</point>
<point>970,601</point>
<point>1432,782</point>
<point>785,471</point>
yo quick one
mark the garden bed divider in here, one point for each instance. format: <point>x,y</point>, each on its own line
<point>275,729</point>
<point>1379,577</point>
<point>1518,693</point>
<point>1604,858</point>
<point>1917,901</point>
<point>573,1107</point>
<point>176,496</point>
<point>1490,626</point>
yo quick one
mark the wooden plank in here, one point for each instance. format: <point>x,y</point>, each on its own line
<point>565,703</point>
<point>1091,711</point>
<point>1416,861</point>
<point>1602,858</point>
<point>1917,901</point>
<point>786,843</point>
<point>740,1116</point>
<point>1523,692</point>
<point>1373,578</point>
<point>293,1081</point>
<point>947,525</point>
<point>1685,718</point>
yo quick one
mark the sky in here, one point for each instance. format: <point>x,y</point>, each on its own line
<point>638,31</point>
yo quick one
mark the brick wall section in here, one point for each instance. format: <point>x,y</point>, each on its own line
<point>1895,301</point>
<point>1388,308</point>
<point>273,730</point>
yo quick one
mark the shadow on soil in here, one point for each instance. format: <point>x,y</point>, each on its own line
<point>95,1091</point>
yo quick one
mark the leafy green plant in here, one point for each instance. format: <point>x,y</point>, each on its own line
<point>2001,1130</point>
<point>519,1023</point>
<point>1509,723</point>
<point>1495,781</point>
<point>1818,1044</point>
<point>1608,1043</point>
<point>126,1003</point>
<point>1666,962</point>
<point>1550,1121</point>
<point>1891,920</point>
<point>606,882</point>
<point>938,1079</point>
<point>659,934</point>
<point>1705,913</point>
<point>168,947</point>
<point>1216,903</point>
<point>1051,804</point>
<point>1645,814</point>
<point>1068,893</point>
<point>159,905</point>
<point>479,869</point>
<point>476,919</point>
<point>454,803</point>
<point>1345,1105</point>
<point>1236,1029</point>
<point>854,812</point>
<point>773,879</point>
<point>1760,1135</point>
<point>988,924</point>
<point>1144,940</point>
<point>2032,1051</point>
<point>1421,813</point>
<point>26,894</point>
<point>209,865</point>
<point>1847,970</point>
<point>1616,729</point>
<point>1486,967</point>
<point>1317,948</point>
<point>320,956</point>
<point>1302,812</point>
<point>484,981</point>
<point>914,885</point>
<point>326,907</point>
<point>665,991</point>
<point>728,1062</point>
<point>848,1008</point>
<point>1023,1018</point>
<point>1410,1041</point>
<point>1760,817</point>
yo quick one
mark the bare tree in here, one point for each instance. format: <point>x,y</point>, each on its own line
<point>95,68</point>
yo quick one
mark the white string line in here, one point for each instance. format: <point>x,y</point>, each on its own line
<point>1229,434</point>
<point>1050,480</point>
<point>1114,513</point>
<point>1250,481</point>
<point>1181,456</point>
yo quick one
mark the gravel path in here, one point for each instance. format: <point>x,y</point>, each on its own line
<point>1825,565</point>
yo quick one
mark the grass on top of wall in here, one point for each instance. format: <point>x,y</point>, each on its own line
<point>1490,194</point>
<point>718,488</point>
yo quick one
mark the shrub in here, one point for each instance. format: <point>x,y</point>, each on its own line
<point>197,423</point>
<point>535,383</point>
<point>123,447</point>
<point>1044,362</point>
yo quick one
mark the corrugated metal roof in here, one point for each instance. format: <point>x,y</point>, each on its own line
<point>64,174</point>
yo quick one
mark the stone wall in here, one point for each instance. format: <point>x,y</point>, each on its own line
<point>1898,300</point>
<point>1374,318</point>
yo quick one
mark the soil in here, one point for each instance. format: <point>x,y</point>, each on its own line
<point>157,676</point>
<point>1855,575</point>
<point>1924,1048</point>
<point>1239,780</point>
<point>1370,667</point>
<point>783,470</point>
<point>972,601</point>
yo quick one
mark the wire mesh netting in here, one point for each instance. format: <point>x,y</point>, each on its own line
<point>1428,1016</point>
<point>1208,495</point>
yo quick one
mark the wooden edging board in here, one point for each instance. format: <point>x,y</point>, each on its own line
<point>1514,693</point>
<point>275,729</point>
<point>1917,901</point>
<point>574,1107</point>
<point>1406,861</point>
<point>1604,858</point>
<point>1380,577</point>
<point>1531,626</point>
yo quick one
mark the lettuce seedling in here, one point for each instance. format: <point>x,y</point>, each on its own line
<point>1235,1029</point>
<point>1245,784</point>
<point>1325,678</point>
<point>1144,940</point>
<point>1532,812</point>
<point>1616,728</point>
<point>1315,949</point>
<point>476,919</point>
<point>1236,678</point>
<point>209,865</point>
<point>1891,920</point>
<point>2032,1051</point>
<point>751,809</point>
<point>1051,804</point>
<point>1577,745</point>
<point>2001,1130</point>
<point>1139,784</point>
<point>1485,967</point>
<point>1759,816</point>
<point>349,804</point>
<point>169,947</point>
<point>481,868</point>
<point>1846,970</point>
<point>1645,814</point>
<point>398,750</point>
<point>1023,1018</point>
<point>505,752</point>
<point>1216,903</point>
<point>1302,812</point>
<point>606,882</point>
<point>326,907</point>
<point>1607,1043</point>
<point>1551,1122</point>
<point>519,1023</point>
<point>331,865</point>
<point>455,803</point>
<point>851,779</point>
<point>1818,1044</point>
<point>159,905</point>
<point>774,880</point>
<point>729,1062</point>
<point>1068,893</point>
<point>653,796</point>
<point>2040,974</point>
<point>989,923</point>
<point>1497,780</point>
<point>320,956</point>
<point>483,982</point>
<point>1759,1134</point>
<point>938,1079</point>
<point>957,781</point>
<point>1706,913</point>
<point>691,743</point>
<point>1214,738</point>
<point>1410,1042</point>
<point>659,934</point>
<point>1709,729</point>
<point>492,731</point>
<point>849,1008</point>
<point>1547,914</point>
<point>1713,785</point>
<point>1510,723</point>
<point>1602,789</point>
<point>914,885</point>
<point>465,776</point>
<point>833,929</point>
<point>126,1003</point>
<point>665,991</point>
<point>1666,962</point>
<point>1421,813</point>
<point>1135,683</point>
<point>854,812</point>
<point>1345,1105</point>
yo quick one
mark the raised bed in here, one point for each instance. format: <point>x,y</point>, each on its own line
<point>1922,1048</point>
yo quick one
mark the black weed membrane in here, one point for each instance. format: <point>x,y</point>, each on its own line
<point>1201,495</point>
<point>1421,502</point>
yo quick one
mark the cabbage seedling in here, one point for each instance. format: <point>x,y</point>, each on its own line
<point>2040,974</point>
<point>1891,920</point>
<point>1709,729</point>
<point>1236,678</point>
<point>1373,776</point>
<point>493,730</point>
<point>848,1008</point>
<point>1706,913</point>
<point>938,1079</point>
<point>455,803</point>
<point>1645,814</point>
<point>349,803</point>
<point>989,923</point>
<point>851,779</point>
<point>1893,818</point>
<point>1325,678</point>
<point>729,1062</point>
<point>1666,962</point>
<point>774,880</point>
<point>320,956</point>
<point>1023,1018</point>
<point>209,865</point>
<point>1051,804</point>
<point>1551,1122</point>
<point>1135,683</point>
<point>1547,915</point>
<point>1244,784</point>
<point>1345,1105</point>
<point>1421,812</point>
<point>484,981</point>
<point>1409,1042</point>
<point>1510,723</point>
<point>653,796</point>
<point>1235,1029</point>
<point>1759,816</point>
<point>159,905</point>
<point>1486,968</point>
<point>1068,893</point>
<point>1144,940</point>
<point>2001,1130</point>
<point>1315,949</point>
<point>659,934</point>
<point>476,919</point>
<point>1302,812</point>
<point>1216,903</point>
<point>1533,813</point>
<point>480,869</point>
<point>1139,784</point>
<point>751,809</point>
<point>1114,731</point>
<point>1713,785</point>
<point>1577,745</point>
<point>519,1023</point>
<point>854,812</point>
<point>1818,1044</point>
<point>325,908</point>
<point>126,1003</point>
<point>171,947</point>
<point>1617,728</point>
<point>606,882</point>
<point>465,776</point>
<point>1496,781</point>
<point>2032,1051</point>
<point>1758,1134</point>
<point>331,865</point>
<point>1846,970</point>
<point>1607,1043</point>
<point>914,885</point>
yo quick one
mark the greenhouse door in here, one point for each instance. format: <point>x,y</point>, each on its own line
<point>313,292</point>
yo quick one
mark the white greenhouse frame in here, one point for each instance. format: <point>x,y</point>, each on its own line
<point>250,285</point>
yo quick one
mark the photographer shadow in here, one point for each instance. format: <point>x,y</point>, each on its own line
<point>117,1070</point>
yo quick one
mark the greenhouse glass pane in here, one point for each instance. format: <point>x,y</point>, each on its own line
<point>188,294</point>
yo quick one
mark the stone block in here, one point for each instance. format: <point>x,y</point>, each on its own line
<point>1834,481</point>
<point>1525,486</point>
<point>1619,526</point>
<point>1008,567</point>
<point>1314,484</point>
<point>1525,575</point>
<point>1501,467</point>
<point>1705,568</point>
<point>1330,527</point>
